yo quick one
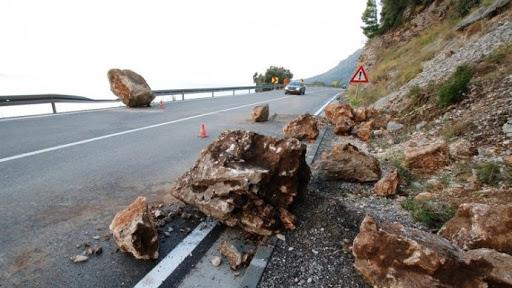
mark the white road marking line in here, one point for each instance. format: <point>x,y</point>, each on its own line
<point>160,272</point>
<point>19,156</point>
<point>327,103</point>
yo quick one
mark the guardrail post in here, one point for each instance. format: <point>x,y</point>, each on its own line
<point>54,108</point>
<point>249,91</point>
<point>182,96</point>
<point>233,92</point>
<point>212,93</point>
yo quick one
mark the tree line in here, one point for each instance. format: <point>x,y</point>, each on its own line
<point>393,13</point>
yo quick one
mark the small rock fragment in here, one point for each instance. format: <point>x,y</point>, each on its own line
<point>216,260</point>
<point>281,237</point>
<point>423,196</point>
<point>388,184</point>
<point>134,231</point>
<point>232,253</point>
<point>158,214</point>
<point>394,126</point>
<point>92,249</point>
<point>79,258</point>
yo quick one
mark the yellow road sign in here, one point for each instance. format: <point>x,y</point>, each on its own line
<point>275,79</point>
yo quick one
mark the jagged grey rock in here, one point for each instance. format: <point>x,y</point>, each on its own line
<point>247,180</point>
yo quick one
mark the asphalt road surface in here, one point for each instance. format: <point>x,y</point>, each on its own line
<point>63,177</point>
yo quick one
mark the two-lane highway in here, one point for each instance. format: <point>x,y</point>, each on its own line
<point>63,177</point>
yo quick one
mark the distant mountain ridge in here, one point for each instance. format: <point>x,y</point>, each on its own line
<point>342,72</point>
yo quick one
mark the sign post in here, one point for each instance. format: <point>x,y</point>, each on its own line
<point>359,77</point>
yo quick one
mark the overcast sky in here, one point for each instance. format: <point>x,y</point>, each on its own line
<point>67,46</point>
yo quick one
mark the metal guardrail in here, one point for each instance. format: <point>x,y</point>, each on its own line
<point>55,98</point>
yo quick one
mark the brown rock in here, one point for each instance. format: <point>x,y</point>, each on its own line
<point>287,219</point>
<point>500,274</point>
<point>130,87</point>
<point>360,114</point>
<point>346,162</point>
<point>481,226</point>
<point>380,121</point>
<point>134,231</point>
<point>243,178</point>
<point>363,130</point>
<point>343,125</point>
<point>391,255</point>
<point>388,185</point>
<point>424,196</point>
<point>508,160</point>
<point>304,127</point>
<point>236,258</point>
<point>334,111</point>
<point>427,158</point>
<point>260,113</point>
<point>462,149</point>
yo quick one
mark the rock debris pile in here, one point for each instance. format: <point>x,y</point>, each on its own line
<point>247,180</point>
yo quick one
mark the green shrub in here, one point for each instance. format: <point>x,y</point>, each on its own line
<point>455,87</point>
<point>355,101</point>
<point>489,173</point>
<point>463,7</point>
<point>432,214</point>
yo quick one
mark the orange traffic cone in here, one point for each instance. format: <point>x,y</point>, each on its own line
<point>162,104</point>
<point>202,132</point>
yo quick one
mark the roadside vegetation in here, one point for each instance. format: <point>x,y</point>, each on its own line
<point>430,213</point>
<point>489,173</point>
<point>266,78</point>
<point>455,88</point>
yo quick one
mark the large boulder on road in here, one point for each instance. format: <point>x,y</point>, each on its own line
<point>130,87</point>
<point>134,230</point>
<point>481,226</point>
<point>304,127</point>
<point>260,113</point>
<point>247,180</point>
<point>391,255</point>
<point>346,162</point>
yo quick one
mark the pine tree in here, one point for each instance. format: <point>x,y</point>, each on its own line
<point>371,23</point>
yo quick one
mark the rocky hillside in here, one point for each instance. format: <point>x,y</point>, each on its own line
<point>342,72</point>
<point>437,114</point>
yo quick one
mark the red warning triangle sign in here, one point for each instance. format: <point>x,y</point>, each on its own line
<point>360,76</point>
